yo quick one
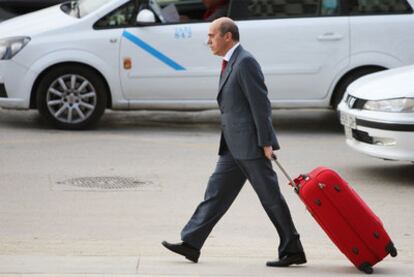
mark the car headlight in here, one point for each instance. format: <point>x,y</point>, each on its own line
<point>9,47</point>
<point>398,105</point>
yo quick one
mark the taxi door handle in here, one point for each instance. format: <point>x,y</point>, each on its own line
<point>330,36</point>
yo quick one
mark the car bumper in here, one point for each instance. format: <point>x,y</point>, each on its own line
<point>15,88</point>
<point>379,134</point>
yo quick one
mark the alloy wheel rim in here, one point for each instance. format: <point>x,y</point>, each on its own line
<point>71,99</point>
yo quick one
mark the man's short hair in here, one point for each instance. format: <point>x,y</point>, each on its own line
<point>230,27</point>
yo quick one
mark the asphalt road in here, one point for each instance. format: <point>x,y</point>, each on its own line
<point>100,202</point>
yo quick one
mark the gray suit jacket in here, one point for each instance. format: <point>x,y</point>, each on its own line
<point>246,119</point>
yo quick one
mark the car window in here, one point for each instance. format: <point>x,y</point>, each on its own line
<point>184,11</point>
<point>82,8</point>
<point>165,11</point>
<point>120,17</point>
<point>88,6</point>
<point>361,7</point>
<point>26,6</point>
<point>5,14</point>
<point>256,9</point>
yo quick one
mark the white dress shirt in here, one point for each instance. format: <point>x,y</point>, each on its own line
<point>229,53</point>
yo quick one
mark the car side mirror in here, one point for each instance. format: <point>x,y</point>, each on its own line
<point>145,16</point>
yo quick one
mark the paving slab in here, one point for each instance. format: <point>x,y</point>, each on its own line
<point>175,266</point>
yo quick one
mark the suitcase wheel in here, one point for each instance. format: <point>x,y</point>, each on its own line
<point>391,249</point>
<point>366,267</point>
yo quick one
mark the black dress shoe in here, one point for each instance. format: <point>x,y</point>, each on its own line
<point>289,260</point>
<point>189,252</point>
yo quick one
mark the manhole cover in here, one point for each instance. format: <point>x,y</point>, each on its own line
<point>106,183</point>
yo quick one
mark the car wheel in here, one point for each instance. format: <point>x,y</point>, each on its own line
<point>72,97</point>
<point>347,80</point>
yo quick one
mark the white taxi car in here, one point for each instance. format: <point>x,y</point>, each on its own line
<point>378,114</point>
<point>74,60</point>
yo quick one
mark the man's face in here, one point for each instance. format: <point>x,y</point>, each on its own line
<point>218,44</point>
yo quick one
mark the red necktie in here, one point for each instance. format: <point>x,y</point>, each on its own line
<point>223,65</point>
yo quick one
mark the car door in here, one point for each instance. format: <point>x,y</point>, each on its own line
<point>379,32</point>
<point>169,61</point>
<point>301,45</point>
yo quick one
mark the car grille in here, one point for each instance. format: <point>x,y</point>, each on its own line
<point>355,103</point>
<point>362,136</point>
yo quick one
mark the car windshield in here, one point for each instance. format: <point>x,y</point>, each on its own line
<point>81,8</point>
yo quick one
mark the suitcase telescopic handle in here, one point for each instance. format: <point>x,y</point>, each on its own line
<point>291,182</point>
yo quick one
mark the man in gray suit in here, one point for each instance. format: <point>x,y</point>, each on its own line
<point>246,149</point>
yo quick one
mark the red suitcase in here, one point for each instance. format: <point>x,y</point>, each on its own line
<point>344,216</point>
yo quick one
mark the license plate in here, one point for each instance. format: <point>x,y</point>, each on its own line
<point>348,120</point>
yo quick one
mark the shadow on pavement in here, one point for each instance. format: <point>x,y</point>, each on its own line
<point>307,121</point>
<point>390,172</point>
<point>14,119</point>
<point>341,270</point>
<point>300,121</point>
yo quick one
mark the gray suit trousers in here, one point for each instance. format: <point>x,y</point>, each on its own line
<point>224,186</point>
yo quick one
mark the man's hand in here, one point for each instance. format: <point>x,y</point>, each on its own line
<point>268,152</point>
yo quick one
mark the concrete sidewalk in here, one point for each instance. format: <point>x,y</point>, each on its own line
<point>141,181</point>
<point>176,266</point>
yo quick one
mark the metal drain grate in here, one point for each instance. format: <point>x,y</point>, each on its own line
<point>106,183</point>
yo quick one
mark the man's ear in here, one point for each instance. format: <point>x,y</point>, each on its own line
<point>228,36</point>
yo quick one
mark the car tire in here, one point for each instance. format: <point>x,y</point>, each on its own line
<point>347,80</point>
<point>72,97</point>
